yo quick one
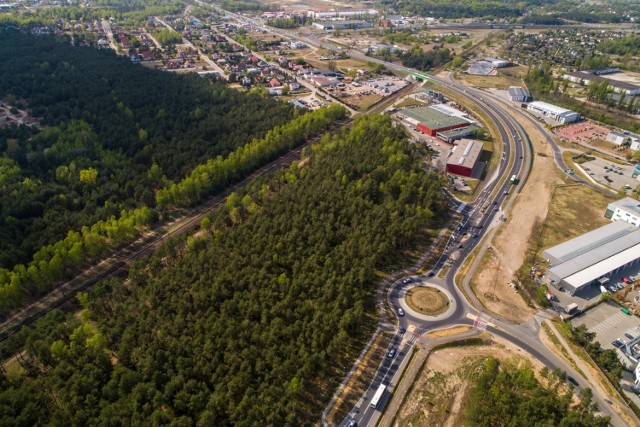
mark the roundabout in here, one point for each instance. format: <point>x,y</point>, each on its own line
<point>427,300</point>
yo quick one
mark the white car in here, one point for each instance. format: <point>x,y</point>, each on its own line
<point>400,312</point>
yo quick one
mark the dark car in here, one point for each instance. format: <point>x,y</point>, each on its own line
<point>460,246</point>
<point>401,331</point>
<point>475,235</point>
<point>495,202</point>
<point>617,344</point>
<point>628,336</point>
<point>572,380</point>
<point>431,274</point>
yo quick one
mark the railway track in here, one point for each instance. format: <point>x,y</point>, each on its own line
<point>67,300</point>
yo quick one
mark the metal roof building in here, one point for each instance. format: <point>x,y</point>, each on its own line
<point>626,209</point>
<point>599,253</point>
<point>519,94</point>
<point>431,121</point>
<point>559,114</point>
<point>464,157</point>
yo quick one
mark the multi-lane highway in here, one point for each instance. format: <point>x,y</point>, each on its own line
<point>478,220</point>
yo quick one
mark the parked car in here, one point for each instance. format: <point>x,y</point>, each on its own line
<point>572,380</point>
<point>626,280</point>
<point>612,288</point>
<point>628,335</point>
<point>391,353</point>
<point>353,423</point>
<point>617,344</point>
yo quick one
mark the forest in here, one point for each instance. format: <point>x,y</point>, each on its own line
<point>112,135</point>
<point>627,45</point>
<point>245,322</point>
<point>508,394</point>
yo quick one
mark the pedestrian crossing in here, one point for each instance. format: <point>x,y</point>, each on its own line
<point>411,336</point>
<point>609,323</point>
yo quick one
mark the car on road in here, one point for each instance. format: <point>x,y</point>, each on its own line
<point>401,331</point>
<point>475,235</point>
<point>522,157</point>
<point>495,209</point>
<point>572,380</point>
<point>506,192</point>
<point>391,353</point>
<point>400,312</point>
<point>431,274</point>
<point>353,423</point>
<point>495,202</point>
<point>460,246</point>
<point>405,281</point>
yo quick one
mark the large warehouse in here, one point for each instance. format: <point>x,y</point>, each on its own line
<point>603,252</point>
<point>431,121</point>
<point>559,114</point>
<point>464,157</point>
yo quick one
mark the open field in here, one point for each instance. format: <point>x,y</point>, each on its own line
<point>437,396</point>
<point>501,81</point>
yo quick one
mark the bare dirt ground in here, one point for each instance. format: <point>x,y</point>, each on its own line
<point>17,116</point>
<point>438,394</point>
<point>492,280</point>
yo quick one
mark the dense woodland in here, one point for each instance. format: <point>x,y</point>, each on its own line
<point>240,324</point>
<point>505,394</point>
<point>114,135</point>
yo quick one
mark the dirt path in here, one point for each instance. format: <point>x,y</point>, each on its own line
<point>492,280</point>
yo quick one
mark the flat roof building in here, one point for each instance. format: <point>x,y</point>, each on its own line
<point>464,157</point>
<point>519,94</point>
<point>559,114</point>
<point>626,209</point>
<point>618,86</point>
<point>599,253</point>
<point>430,121</point>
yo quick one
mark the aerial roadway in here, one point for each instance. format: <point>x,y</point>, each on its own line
<point>479,220</point>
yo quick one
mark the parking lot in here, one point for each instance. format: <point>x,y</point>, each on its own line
<point>608,323</point>
<point>614,175</point>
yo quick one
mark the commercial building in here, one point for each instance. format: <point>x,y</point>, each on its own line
<point>627,210</point>
<point>519,94</point>
<point>430,121</point>
<point>341,25</point>
<point>559,114</point>
<point>343,13</point>
<point>497,63</point>
<point>617,138</point>
<point>618,86</point>
<point>603,252</point>
<point>464,157</point>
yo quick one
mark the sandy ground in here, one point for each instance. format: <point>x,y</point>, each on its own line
<point>18,117</point>
<point>492,280</point>
<point>438,395</point>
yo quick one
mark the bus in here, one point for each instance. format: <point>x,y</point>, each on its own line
<point>377,396</point>
<point>514,179</point>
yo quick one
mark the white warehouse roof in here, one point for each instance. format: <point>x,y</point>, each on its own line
<point>595,271</point>
<point>553,109</point>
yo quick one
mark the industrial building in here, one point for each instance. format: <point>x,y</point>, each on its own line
<point>464,157</point>
<point>591,257</point>
<point>626,209</point>
<point>519,94</point>
<point>618,86</point>
<point>341,25</point>
<point>432,122</point>
<point>559,114</point>
<point>342,13</point>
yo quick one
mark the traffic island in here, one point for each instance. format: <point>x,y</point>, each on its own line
<point>427,300</point>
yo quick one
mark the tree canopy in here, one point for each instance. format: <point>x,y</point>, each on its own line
<point>241,323</point>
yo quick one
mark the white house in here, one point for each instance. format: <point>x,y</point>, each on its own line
<point>626,209</point>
